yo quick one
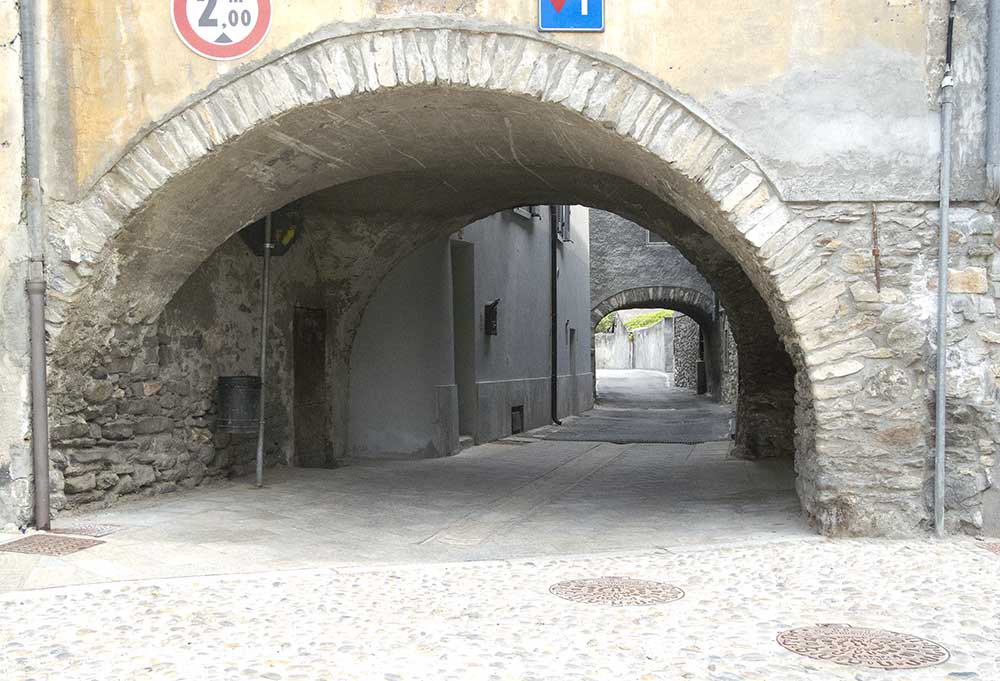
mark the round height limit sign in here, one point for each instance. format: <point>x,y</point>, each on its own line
<point>222,29</point>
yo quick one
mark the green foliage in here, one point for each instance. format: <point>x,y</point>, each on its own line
<point>650,319</point>
<point>640,322</point>
<point>604,326</point>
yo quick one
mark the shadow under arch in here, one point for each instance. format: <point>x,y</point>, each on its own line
<point>405,136</point>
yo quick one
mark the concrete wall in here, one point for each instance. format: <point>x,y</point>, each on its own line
<point>649,348</point>
<point>613,350</point>
<point>653,346</point>
<point>402,366</point>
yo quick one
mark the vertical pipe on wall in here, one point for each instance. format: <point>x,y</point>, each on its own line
<point>947,104</point>
<point>993,104</point>
<point>265,299</point>
<point>554,279</point>
<point>36,268</point>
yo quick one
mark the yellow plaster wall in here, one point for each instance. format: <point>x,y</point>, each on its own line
<point>126,68</point>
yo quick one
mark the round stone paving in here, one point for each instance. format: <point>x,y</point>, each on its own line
<point>876,648</point>
<point>617,591</point>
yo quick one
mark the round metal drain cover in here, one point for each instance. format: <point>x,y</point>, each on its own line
<point>616,591</point>
<point>876,648</point>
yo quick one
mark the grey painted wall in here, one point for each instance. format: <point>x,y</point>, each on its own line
<point>402,353</point>
<point>405,346</point>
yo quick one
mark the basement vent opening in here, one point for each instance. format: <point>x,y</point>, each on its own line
<point>517,420</point>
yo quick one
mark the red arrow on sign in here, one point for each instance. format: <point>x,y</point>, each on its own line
<point>558,4</point>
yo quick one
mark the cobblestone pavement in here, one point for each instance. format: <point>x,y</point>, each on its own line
<point>498,620</point>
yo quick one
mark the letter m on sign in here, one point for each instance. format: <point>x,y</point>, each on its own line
<point>570,15</point>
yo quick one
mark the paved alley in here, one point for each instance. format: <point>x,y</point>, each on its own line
<point>635,405</point>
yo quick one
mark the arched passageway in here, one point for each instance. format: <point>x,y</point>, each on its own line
<point>393,139</point>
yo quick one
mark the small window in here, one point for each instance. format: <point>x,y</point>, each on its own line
<point>654,238</point>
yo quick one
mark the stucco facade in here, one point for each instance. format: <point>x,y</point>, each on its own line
<point>755,139</point>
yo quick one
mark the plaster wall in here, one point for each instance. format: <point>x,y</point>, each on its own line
<point>800,86</point>
<point>15,456</point>
<point>403,357</point>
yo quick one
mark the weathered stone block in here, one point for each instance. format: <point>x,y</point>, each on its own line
<point>969,280</point>
<point>69,431</point>
<point>106,480</point>
<point>117,430</point>
<point>98,392</point>
<point>153,424</point>
<point>80,483</point>
<point>143,475</point>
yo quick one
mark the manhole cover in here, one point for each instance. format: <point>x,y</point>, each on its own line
<point>876,648</point>
<point>87,530</point>
<point>48,545</point>
<point>616,591</point>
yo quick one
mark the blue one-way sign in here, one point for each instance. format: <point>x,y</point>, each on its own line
<point>570,15</point>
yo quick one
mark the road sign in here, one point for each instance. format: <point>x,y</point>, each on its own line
<point>221,29</point>
<point>570,15</point>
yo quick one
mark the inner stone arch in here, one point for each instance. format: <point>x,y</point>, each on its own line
<point>456,137</point>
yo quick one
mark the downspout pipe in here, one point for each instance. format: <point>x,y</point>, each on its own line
<point>265,304</point>
<point>554,279</point>
<point>940,425</point>
<point>993,104</point>
<point>36,267</point>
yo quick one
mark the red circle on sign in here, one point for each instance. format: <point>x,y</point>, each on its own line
<point>222,52</point>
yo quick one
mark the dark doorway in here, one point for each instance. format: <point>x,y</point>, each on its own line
<point>311,403</point>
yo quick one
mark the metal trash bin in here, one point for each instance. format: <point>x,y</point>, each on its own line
<point>239,404</point>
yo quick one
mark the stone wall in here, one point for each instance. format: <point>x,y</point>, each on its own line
<point>730,366</point>
<point>686,342</point>
<point>146,421</point>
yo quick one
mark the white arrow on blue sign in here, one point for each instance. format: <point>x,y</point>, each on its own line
<point>570,15</point>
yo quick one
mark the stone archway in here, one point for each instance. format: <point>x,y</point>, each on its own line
<point>461,123</point>
<point>694,304</point>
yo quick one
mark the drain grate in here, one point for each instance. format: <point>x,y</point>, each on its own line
<point>48,545</point>
<point>513,441</point>
<point>875,648</point>
<point>616,591</point>
<point>87,530</point>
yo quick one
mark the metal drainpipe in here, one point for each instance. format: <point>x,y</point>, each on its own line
<point>993,104</point>
<point>947,104</point>
<point>554,276</point>
<point>265,300</point>
<point>36,269</point>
